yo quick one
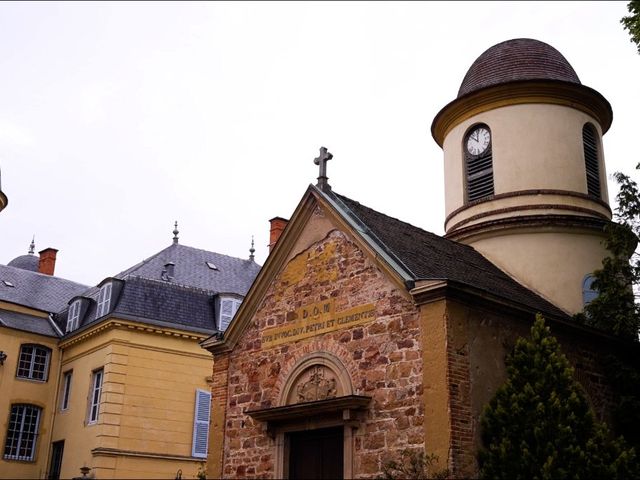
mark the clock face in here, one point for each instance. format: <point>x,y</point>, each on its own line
<point>478,141</point>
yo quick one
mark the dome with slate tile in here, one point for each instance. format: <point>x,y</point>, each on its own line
<point>517,60</point>
<point>25,262</point>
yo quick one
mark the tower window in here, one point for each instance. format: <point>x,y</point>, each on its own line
<point>590,143</point>
<point>478,163</point>
<point>589,293</point>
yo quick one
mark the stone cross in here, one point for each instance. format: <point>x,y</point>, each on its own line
<point>322,160</point>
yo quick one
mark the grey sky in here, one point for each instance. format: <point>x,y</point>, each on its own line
<point>118,118</point>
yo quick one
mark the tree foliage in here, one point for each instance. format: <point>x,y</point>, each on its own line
<point>615,308</point>
<point>539,425</point>
<point>632,22</point>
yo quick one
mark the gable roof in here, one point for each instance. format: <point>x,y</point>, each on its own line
<point>411,253</point>
<point>427,256</point>
<point>36,290</point>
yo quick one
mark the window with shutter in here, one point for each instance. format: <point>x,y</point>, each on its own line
<point>73,318</point>
<point>201,424</point>
<point>478,164</point>
<point>104,299</point>
<point>228,308</point>
<point>590,143</point>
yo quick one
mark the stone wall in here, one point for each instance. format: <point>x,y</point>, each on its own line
<point>381,356</point>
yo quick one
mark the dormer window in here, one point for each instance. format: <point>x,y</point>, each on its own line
<point>104,300</point>
<point>228,308</point>
<point>73,317</point>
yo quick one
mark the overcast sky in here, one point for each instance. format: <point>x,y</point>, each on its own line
<point>116,119</point>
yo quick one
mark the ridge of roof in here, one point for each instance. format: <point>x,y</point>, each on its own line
<point>428,256</point>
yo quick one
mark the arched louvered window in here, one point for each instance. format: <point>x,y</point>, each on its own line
<point>592,166</point>
<point>478,163</point>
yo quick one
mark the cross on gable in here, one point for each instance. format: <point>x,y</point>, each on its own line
<point>322,160</point>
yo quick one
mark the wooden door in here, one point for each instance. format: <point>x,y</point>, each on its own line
<point>316,454</point>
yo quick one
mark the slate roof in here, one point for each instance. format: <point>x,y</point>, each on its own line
<point>36,290</point>
<point>25,262</point>
<point>516,60</point>
<point>431,257</point>
<point>185,300</point>
<point>27,323</point>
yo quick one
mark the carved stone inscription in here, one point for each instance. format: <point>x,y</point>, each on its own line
<point>315,319</point>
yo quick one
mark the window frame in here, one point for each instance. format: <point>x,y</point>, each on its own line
<point>95,394</point>
<point>104,299</point>
<point>478,165</point>
<point>235,305</point>
<point>32,363</point>
<point>73,316</point>
<point>66,390</point>
<point>589,294</point>
<point>16,445</point>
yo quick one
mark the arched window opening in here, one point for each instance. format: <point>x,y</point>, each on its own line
<point>589,293</point>
<point>478,163</point>
<point>592,167</point>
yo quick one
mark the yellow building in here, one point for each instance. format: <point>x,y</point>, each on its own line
<point>29,361</point>
<point>131,395</point>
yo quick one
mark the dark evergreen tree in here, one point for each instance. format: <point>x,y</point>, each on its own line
<point>539,425</point>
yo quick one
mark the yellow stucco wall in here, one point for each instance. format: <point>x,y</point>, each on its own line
<point>535,146</point>
<point>145,424</point>
<point>18,390</point>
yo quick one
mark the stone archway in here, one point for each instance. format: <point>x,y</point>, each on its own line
<point>317,398</point>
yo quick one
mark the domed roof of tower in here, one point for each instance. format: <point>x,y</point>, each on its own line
<point>25,262</point>
<point>517,60</point>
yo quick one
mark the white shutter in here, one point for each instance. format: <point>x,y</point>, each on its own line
<point>226,313</point>
<point>201,424</point>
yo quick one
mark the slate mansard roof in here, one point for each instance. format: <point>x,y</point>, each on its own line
<point>147,292</point>
<point>517,60</point>
<point>36,290</point>
<point>431,257</point>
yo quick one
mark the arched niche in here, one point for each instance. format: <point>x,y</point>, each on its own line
<point>318,376</point>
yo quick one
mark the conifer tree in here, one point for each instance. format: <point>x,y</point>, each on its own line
<point>539,425</point>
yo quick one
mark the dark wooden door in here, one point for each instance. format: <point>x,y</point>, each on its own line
<point>316,454</point>
<point>57,448</point>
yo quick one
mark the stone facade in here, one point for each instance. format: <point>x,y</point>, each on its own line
<point>381,357</point>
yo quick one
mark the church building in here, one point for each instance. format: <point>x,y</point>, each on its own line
<point>364,336</point>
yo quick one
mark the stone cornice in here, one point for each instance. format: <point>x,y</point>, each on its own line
<point>552,92</point>
<point>559,222</point>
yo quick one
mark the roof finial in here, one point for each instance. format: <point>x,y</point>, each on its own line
<point>175,232</point>
<point>252,250</point>
<point>322,160</point>
<point>32,247</point>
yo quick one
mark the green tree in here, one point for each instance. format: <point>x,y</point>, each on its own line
<point>539,425</point>
<point>615,309</point>
<point>632,22</point>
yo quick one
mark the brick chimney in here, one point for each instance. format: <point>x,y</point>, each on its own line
<point>278,225</point>
<point>47,263</point>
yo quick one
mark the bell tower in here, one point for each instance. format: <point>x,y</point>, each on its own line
<point>525,180</point>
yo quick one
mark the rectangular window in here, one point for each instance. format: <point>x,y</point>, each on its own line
<point>104,298</point>
<point>94,400</point>
<point>73,317</point>
<point>66,390</point>
<point>228,308</point>
<point>22,432</point>
<point>201,424</point>
<point>34,362</point>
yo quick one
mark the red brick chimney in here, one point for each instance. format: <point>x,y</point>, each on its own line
<point>47,263</point>
<point>278,225</point>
